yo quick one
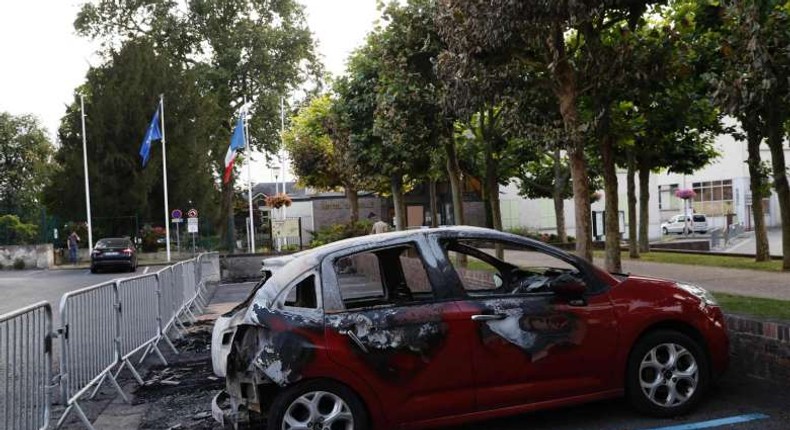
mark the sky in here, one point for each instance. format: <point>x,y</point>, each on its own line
<point>43,60</point>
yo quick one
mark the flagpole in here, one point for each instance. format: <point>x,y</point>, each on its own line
<point>164,171</point>
<point>249,177</point>
<point>282,146</point>
<point>87,182</point>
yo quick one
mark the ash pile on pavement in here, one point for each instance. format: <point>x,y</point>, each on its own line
<point>179,395</point>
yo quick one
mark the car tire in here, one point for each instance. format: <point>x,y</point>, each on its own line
<point>657,384</point>
<point>292,401</point>
<point>132,268</point>
<point>666,232</point>
<point>94,270</point>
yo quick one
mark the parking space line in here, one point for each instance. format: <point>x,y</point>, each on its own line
<point>715,423</point>
<point>146,269</point>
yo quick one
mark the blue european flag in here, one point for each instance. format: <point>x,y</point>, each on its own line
<point>153,133</point>
<point>237,139</point>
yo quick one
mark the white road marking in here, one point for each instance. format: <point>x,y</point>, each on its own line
<point>146,269</point>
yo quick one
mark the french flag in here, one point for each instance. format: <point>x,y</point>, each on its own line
<point>236,142</point>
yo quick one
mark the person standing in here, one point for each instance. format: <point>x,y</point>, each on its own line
<point>73,240</point>
<point>379,226</point>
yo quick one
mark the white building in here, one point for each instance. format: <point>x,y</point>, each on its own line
<point>721,188</point>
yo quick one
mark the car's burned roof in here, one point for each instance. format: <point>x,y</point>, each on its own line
<point>289,267</point>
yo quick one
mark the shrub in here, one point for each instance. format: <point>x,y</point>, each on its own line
<point>19,264</point>
<point>543,237</point>
<point>337,232</point>
<point>278,200</point>
<point>150,236</point>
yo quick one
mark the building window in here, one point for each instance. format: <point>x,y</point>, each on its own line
<point>666,198</point>
<point>713,197</point>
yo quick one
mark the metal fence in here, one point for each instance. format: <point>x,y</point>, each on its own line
<point>26,367</point>
<point>102,328</point>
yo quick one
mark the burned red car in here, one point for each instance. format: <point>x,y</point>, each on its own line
<point>438,327</point>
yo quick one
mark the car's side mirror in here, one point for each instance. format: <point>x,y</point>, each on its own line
<point>567,285</point>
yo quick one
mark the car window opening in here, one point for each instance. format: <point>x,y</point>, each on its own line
<point>521,271</point>
<point>383,277</point>
<point>303,294</point>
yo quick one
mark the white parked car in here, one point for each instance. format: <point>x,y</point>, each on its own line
<point>697,223</point>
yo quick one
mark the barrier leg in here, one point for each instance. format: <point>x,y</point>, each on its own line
<point>167,339</point>
<point>98,386</point>
<point>74,407</point>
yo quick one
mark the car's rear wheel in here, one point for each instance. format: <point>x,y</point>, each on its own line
<point>667,374</point>
<point>320,405</point>
<point>666,231</point>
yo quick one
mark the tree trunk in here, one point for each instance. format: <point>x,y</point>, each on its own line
<point>757,185</point>
<point>567,95</point>
<point>644,208</point>
<point>397,201</point>
<point>454,173</point>
<point>434,207</point>
<point>559,202</point>
<point>776,144</point>
<point>353,203</point>
<point>492,191</point>
<point>612,205</point>
<point>633,246</point>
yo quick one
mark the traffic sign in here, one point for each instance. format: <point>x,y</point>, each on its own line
<point>192,225</point>
<point>177,220</point>
<point>192,213</point>
<point>176,214</point>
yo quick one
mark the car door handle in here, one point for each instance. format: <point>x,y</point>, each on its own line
<point>488,317</point>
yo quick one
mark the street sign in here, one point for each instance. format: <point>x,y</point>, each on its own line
<point>192,225</point>
<point>192,213</point>
<point>285,227</point>
<point>177,220</point>
<point>176,214</point>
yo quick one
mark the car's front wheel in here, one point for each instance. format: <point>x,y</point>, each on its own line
<point>321,405</point>
<point>666,232</point>
<point>667,374</point>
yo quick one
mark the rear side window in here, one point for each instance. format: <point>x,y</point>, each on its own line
<point>383,277</point>
<point>699,218</point>
<point>303,294</point>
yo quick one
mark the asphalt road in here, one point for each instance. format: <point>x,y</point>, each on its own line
<point>737,397</point>
<point>25,287</point>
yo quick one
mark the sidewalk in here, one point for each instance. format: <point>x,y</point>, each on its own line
<point>754,283</point>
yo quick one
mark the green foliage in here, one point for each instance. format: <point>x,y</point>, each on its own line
<point>121,97</point>
<point>25,152</point>
<point>19,264</point>
<point>15,232</point>
<point>337,232</point>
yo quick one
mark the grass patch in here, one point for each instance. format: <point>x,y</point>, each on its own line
<point>759,307</point>
<point>704,260</point>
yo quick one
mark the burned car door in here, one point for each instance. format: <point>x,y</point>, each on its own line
<point>397,330</point>
<point>538,333</point>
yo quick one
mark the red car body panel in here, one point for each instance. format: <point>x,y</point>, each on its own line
<point>430,364</point>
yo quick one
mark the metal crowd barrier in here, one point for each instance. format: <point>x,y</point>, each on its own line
<point>91,323</point>
<point>105,325</point>
<point>26,367</point>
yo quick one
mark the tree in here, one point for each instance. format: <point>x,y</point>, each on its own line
<point>752,83</point>
<point>120,99</point>
<point>254,49</point>
<point>318,142</point>
<point>559,38</point>
<point>25,152</point>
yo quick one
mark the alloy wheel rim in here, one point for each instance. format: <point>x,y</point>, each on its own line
<point>669,375</point>
<point>318,410</point>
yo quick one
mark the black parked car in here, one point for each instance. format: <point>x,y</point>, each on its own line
<point>114,252</point>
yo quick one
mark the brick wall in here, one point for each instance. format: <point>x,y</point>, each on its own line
<point>327,212</point>
<point>760,348</point>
